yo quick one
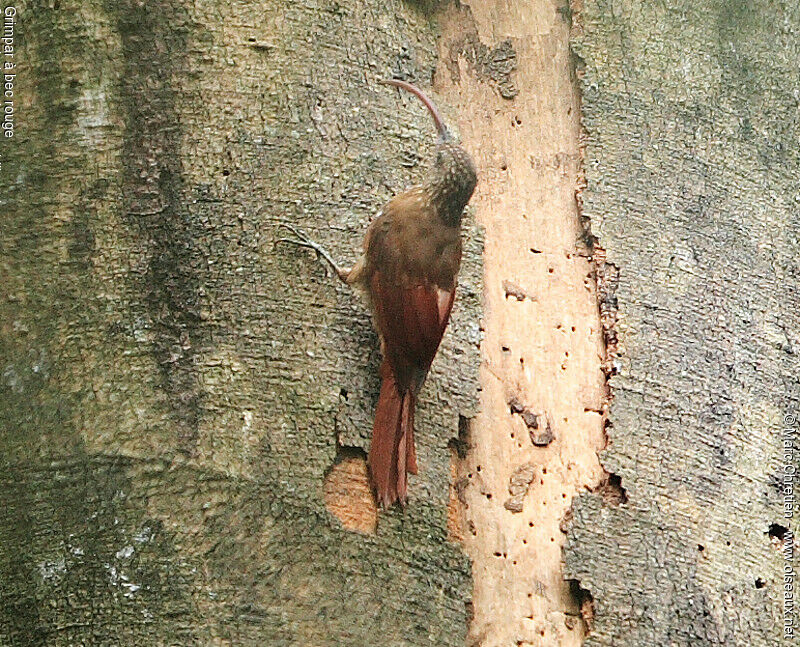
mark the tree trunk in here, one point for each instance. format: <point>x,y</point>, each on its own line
<point>176,388</point>
<point>185,406</point>
<point>691,110</point>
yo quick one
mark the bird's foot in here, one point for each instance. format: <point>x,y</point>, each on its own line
<point>302,240</point>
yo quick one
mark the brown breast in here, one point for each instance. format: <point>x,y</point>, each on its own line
<point>410,244</point>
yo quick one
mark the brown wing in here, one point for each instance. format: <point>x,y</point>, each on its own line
<point>412,259</point>
<point>411,321</point>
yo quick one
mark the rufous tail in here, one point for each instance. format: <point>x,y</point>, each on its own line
<point>392,455</point>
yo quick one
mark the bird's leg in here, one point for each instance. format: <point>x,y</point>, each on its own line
<point>303,240</point>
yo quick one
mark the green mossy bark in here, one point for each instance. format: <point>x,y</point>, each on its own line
<point>691,110</point>
<point>173,386</point>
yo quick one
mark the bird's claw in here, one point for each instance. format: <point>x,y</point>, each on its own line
<point>303,240</point>
<point>301,235</point>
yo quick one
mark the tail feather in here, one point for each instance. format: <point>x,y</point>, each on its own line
<point>411,450</point>
<point>392,454</point>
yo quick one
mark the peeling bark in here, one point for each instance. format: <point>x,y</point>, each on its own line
<point>534,446</point>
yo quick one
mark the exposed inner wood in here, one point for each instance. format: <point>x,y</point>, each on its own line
<point>535,444</point>
<point>348,495</point>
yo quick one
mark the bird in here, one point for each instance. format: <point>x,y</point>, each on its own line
<point>408,272</point>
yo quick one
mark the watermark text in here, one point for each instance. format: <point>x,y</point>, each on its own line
<point>788,476</point>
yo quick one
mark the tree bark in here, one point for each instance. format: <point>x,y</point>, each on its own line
<point>185,406</point>
<point>692,158</point>
<point>175,387</point>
